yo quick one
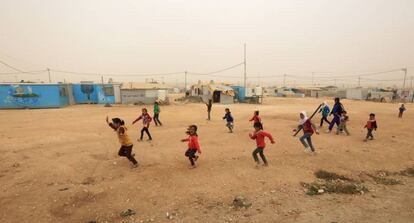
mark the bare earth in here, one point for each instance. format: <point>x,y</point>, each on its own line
<point>61,165</point>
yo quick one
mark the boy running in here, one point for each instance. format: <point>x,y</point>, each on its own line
<point>402,110</point>
<point>193,146</point>
<point>146,119</point>
<point>259,135</point>
<point>229,119</point>
<point>336,112</point>
<point>371,126</point>
<point>157,114</point>
<point>342,124</point>
<point>126,144</point>
<point>256,119</point>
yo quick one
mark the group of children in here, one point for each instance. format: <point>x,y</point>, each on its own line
<point>340,119</point>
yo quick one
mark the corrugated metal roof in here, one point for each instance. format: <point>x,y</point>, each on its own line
<point>135,85</point>
<point>223,88</point>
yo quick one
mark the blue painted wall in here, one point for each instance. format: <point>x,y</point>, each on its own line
<point>33,96</point>
<point>92,93</point>
<point>239,93</point>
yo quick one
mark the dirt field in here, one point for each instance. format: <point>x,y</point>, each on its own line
<point>61,165</point>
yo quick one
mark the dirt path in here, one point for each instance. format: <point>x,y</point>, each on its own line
<point>61,165</point>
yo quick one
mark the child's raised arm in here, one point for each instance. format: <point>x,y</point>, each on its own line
<point>139,118</point>
<point>268,135</point>
<point>110,123</point>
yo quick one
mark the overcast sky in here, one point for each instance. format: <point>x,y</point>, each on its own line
<point>151,36</point>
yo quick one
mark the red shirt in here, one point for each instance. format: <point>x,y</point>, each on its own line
<point>260,138</point>
<point>193,142</point>
<point>146,119</point>
<point>256,119</point>
<point>307,127</point>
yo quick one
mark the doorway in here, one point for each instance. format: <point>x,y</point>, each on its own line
<point>216,96</point>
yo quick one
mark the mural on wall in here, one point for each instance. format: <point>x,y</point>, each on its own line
<point>21,95</point>
<point>87,89</point>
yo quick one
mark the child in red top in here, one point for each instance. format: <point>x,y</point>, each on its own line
<point>146,119</point>
<point>308,129</point>
<point>256,119</point>
<point>193,146</point>
<point>259,135</point>
<point>371,126</point>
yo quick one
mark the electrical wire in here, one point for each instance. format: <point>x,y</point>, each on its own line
<point>34,72</point>
<point>114,74</point>
<point>217,71</point>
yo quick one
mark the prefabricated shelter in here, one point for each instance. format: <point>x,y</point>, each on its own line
<point>239,93</point>
<point>218,92</point>
<point>91,93</point>
<point>270,91</point>
<point>357,93</point>
<point>145,93</point>
<point>310,91</point>
<point>33,95</point>
<point>289,93</point>
<point>254,91</point>
<point>221,93</point>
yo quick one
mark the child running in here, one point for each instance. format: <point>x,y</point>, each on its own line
<point>342,125</point>
<point>336,112</point>
<point>402,110</point>
<point>259,135</point>
<point>371,126</point>
<point>308,129</point>
<point>256,119</point>
<point>126,144</point>
<point>325,113</point>
<point>229,119</point>
<point>146,119</point>
<point>193,146</point>
<point>157,114</point>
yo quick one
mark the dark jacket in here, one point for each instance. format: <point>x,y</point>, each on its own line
<point>228,117</point>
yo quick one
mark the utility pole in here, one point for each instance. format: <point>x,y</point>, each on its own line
<point>185,82</point>
<point>312,80</point>
<point>359,81</point>
<point>245,83</point>
<point>48,71</point>
<point>405,76</point>
<point>284,80</point>
<point>102,80</point>
<point>335,81</point>
<point>411,82</point>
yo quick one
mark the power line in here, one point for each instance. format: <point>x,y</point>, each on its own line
<point>115,74</point>
<point>218,71</point>
<point>33,72</point>
<point>19,71</point>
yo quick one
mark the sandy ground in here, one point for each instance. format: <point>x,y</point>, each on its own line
<point>61,165</point>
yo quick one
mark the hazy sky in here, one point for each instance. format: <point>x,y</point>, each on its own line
<point>347,37</point>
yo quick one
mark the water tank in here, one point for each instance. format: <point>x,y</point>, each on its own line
<point>258,91</point>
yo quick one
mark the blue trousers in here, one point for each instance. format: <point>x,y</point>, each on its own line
<point>336,120</point>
